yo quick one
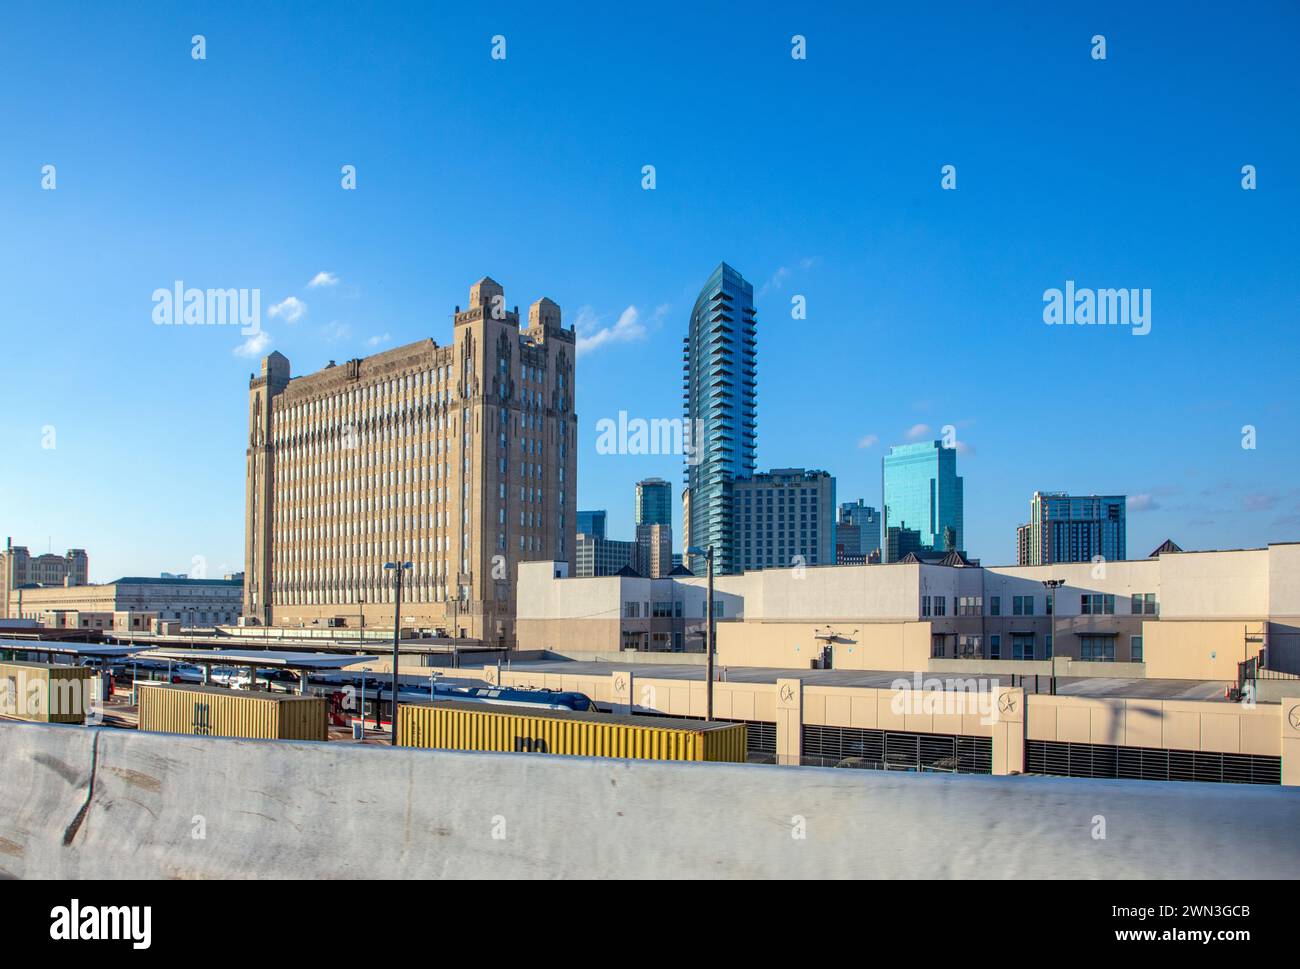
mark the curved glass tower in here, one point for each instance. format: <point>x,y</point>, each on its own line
<point>720,372</point>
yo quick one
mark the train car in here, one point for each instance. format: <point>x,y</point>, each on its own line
<point>512,696</point>
<point>375,700</point>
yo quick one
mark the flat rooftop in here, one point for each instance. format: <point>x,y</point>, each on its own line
<point>1083,686</point>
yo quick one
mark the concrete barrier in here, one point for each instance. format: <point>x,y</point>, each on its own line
<point>103,803</point>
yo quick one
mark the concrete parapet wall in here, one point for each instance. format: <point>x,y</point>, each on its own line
<point>95,803</point>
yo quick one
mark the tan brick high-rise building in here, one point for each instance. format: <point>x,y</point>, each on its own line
<point>460,459</point>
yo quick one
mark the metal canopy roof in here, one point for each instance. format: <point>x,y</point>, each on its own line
<point>257,657</point>
<point>72,649</point>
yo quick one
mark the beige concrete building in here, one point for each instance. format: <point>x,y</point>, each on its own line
<point>460,459</point>
<point>966,726</point>
<point>130,603</point>
<point>18,567</point>
<point>1188,615</point>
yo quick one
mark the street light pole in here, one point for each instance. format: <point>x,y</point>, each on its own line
<point>398,568</point>
<point>712,631</point>
<point>1051,585</point>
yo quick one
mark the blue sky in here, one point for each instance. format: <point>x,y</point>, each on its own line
<point>818,178</point>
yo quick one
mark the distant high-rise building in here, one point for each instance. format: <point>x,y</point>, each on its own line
<point>592,523</point>
<point>900,542</point>
<point>922,491</point>
<point>721,409</point>
<point>783,518</point>
<point>654,502</point>
<point>18,567</point>
<point>857,533</point>
<point>654,527</point>
<point>1073,528</point>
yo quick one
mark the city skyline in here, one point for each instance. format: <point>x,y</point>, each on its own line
<point>947,284</point>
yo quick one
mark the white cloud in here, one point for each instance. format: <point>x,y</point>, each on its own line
<point>1142,502</point>
<point>869,441</point>
<point>255,345</point>
<point>778,279</point>
<point>291,309</point>
<point>336,331</point>
<point>783,273</point>
<point>380,340</point>
<point>918,431</point>
<point>627,329</point>
<point>323,278</point>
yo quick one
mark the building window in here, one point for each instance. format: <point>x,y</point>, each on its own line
<point>995,647</point>
<point>1022,605</point>
<point>925,605</point>
<point>1022,645</point>
<point>1097,604</point>
<point>936,646</point>
<point>1135,649</point>
<point>1143,604</point>
<point>631,610</point>
<point>995,605</point>
<point>1097,649</point>
<point>940,605</point>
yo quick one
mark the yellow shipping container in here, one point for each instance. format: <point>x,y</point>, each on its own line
<point>453,725</point>
<point>213,712</point>
<point>44,692</point>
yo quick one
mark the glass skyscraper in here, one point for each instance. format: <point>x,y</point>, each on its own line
<point>721,408</point>
<point>654,502</point>
<point>923,492</point>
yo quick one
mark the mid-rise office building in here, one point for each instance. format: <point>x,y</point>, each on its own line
<point>18,567</point>
<point>592,523</point>
<point>597,556</point>
<point>460,459</point>
<point>923,492</point>
<point>721,407</point>
<point>784,517</point>
<point>1073,528</point>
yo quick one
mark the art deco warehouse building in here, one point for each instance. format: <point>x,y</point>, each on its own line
<point>721,405</point>
<point>461,459</point>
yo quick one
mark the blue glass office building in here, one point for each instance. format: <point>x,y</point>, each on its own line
<point>719,357</point>
<point>923,492</point>
<point>591,523</point>
<point>654,502</point>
